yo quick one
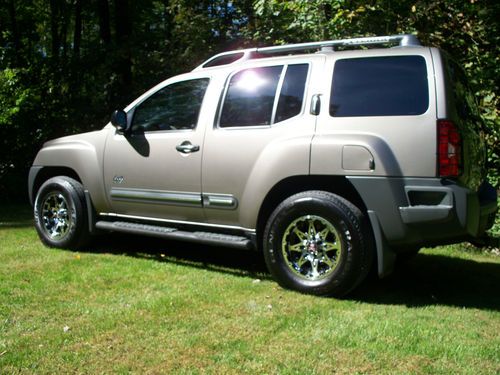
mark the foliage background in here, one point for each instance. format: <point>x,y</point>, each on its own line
<point>66,64</point>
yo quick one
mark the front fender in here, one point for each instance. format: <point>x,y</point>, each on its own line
<point>82,153</point>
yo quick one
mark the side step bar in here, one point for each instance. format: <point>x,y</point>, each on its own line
<point>206,238</point>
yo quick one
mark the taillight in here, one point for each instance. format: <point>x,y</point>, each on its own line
<point>449,149</point>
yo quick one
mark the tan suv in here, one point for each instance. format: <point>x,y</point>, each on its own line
<point>325,161</point>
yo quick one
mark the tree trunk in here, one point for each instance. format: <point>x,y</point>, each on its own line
<point>77,36</point>
<point>15,30</point>
<point>123,28</point>
<point>104,29</point>
<point>167,21</point>
<point>64,21</point>
<point>248,10</point>
<point>54,28</point>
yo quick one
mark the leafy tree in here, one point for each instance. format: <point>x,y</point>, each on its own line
<point>66,64</point>
<point>468,30</point>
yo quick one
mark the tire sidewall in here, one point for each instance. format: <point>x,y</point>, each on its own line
<point>285,214</point>
<point>66,189</point>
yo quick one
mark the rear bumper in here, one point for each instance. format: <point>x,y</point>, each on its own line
<point>426,211</point>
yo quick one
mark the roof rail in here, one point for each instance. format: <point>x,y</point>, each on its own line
<point>226,58</point>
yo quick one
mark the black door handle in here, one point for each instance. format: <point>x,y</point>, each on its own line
<point>186,147</point>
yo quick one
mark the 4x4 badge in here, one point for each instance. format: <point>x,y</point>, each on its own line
<point>118,179</point>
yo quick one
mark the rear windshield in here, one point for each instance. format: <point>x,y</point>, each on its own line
<point>379,86</point>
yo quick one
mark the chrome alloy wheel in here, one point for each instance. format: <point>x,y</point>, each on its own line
<point>56,216</point>
<point>311,247</point>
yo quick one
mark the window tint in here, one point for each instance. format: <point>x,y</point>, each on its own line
<point>174,107</point>
<point>292,92</point>
<point>379,86</point>
<point>463,99</point>
<point>250,97</point>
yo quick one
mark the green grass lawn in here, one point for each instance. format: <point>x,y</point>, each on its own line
<point>138,305</point>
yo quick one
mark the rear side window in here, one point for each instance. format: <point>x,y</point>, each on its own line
<point>292,92</point>
<point>379,86</point>
<point>257,97</point>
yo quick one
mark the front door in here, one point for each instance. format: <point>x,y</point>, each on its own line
<point>155,171</point>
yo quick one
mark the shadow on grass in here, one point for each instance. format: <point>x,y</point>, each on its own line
<point>436,280</point>
<point>426,280</point>
<point>218,259</point>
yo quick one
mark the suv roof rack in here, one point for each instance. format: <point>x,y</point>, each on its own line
<point>226,58</point>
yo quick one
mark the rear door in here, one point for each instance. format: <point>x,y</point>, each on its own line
<point>262,134</point>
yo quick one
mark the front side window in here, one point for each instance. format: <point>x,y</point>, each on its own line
<point>379,86</point>
<point>174,107</point>
<point>251,98</point>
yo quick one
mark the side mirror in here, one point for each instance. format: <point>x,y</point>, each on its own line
<point>119,120</point>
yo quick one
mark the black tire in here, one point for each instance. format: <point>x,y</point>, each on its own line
<point>61,213</point>
<point>335,254</point>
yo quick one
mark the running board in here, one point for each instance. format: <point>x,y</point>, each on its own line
<point>207,238</point>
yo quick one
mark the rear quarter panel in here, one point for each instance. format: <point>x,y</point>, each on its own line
<point>400,145</point>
